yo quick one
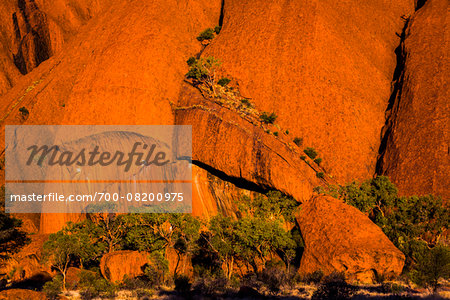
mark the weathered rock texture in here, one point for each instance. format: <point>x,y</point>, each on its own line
<point>115,265</point>
<point>417,149</point>
<point>27,264</point>
<point>18,294</point>
<point>338,237</point>
<point>324,67</point>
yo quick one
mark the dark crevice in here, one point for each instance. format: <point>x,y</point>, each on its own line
<point>397,85</point>
<point>237,181</point>
<point>36,39</point>
<point>420,4</point>
<point>221,13</point>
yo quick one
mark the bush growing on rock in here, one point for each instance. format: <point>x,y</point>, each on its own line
<point>298,141</point>
<point>268,118</point>
<point>311,152</point>
<point>223,81</point>
<point>207,34</point>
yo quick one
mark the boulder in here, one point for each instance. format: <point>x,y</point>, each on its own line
<point>115,265</point>
<point>19,294</point>
<point>417,135</point>
<point>338,237</point>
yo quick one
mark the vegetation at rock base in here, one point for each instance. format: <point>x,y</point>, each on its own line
<point>414,224</point>
<point>255,238</point>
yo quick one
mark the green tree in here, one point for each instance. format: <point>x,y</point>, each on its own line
<point>205,70</point>
<point>60,250</point>
<point>89,239</point>
<point>434,266</point>
<point>12,239</point>
<point>156,232</point>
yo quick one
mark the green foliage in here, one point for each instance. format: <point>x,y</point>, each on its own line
<point>287,131</point>
<point>246,102</point>
<point>192,60</point>
<point>204,70</point>
<point>275,133</point>
<point>59,249</point>
<point>311,152</point>
<point>413,223</point>
<point>318,160</point>
<point>320,175</point>
<point>298,141</point>
<point>207,34</point>
<point>12,239</point>
<point>92,285</point>
<point>434,265</point>
<point>53,288</point>
<point>156,232</point>
<point>302,157</point>
<point>257,232</point>
<point>24,111</point>
<point>268,118</point>
<point>223,81</point>
<point>217,29</point>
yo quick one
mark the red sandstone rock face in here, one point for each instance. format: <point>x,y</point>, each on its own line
<point>18,294</point>
<point>27,263</point>
<point>338,237</point>
<point>324,67</point>
<point>114,266</point>
<point>417,155</point>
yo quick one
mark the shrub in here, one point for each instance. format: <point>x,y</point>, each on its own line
<point>204,69</point>
<point>302,157</point>
<point>92,285</point>
<point>273,278</point>
<point>191,61</point>
<point>211,286</point>
<point>217,29</point>
<point>207,34</point>
<point>320,175</point>
<point>53,288</point>
<point>268,118</point>
<point>223,81</point>
<point>318,160</point>
<point>287,131</point>
<point>311,152</point>
<point>24,112</point>
<point>334,287</point>
<point>434,266</point>
<point>246,102</point>
<point>314,277</point>
<point>298,141</point>
<point>182,284</point>
<point>275,133</point>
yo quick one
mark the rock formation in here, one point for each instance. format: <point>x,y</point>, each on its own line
<point>115,265</point>
<point>338,237</point>
<point>417,135</point>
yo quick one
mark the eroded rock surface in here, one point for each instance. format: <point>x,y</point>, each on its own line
<point>338,237</point>
<point>417,138</point>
